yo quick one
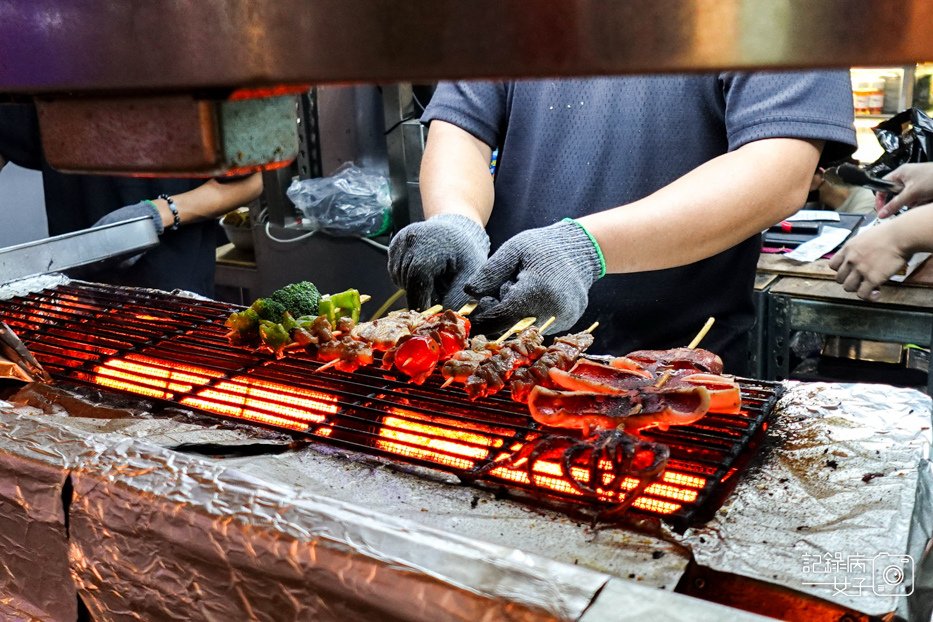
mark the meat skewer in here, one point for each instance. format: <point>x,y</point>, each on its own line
<point>435,339</point>
<point>353,346</point>
<point>493,373</point>
<point>561,355</point>
<point>463,363</point>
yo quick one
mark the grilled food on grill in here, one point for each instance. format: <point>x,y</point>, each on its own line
<point>299,299</point>
<point>562,354</point>
<point>435,339</point>
<point>675,358</point>
<point>492,373</point>
<point>270,322</point>
<point>631,410</point>
<point>463,363</point>
<point>385,332</point>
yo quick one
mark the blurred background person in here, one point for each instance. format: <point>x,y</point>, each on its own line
<point>868,260</point>
<point>185,256</point>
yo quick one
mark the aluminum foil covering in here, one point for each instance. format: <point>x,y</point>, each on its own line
<point>158,535</point>
<point>829,507</point>
<point>28,285</point>
<point>35,582</point>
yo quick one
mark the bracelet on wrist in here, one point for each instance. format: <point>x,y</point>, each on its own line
<point>176,218</point>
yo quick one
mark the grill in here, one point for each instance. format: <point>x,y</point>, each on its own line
<point>172,349</point>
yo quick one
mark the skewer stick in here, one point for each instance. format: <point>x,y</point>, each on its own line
<point>592,327</point>
<point>327,365</point>
<point>365,298</point>
<point>432,310</point>
<point>520,325</point>
<point>547,323</point>
<point>447,382</point>
<point>468,308</point>
<point>391,300</point>
<point>696,340</point>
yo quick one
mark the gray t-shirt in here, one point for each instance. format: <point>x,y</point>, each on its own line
<point>573,147</point>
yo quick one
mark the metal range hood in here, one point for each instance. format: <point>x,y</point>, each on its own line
<point>50,46</point>
<point>77,56</point>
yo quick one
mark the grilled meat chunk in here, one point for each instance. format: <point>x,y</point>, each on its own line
<point>632,410</point>
<point>562,354</point>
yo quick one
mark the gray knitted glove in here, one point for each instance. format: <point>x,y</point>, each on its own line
<point>432,260</point>
<point>539,272</point>
<point>143,208</point>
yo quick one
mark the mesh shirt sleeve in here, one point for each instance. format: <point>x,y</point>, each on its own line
<point>476,107</point>
<point>791,104</point>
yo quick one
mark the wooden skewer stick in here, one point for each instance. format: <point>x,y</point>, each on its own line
<point>447,382</point>
<point>391,300</point>
<point>365,298</point>
<point>592,327</point>
<point>520,325</point>
<point>547,323</point>
<point>468,308</point>
<point>327,365</point>
<point>696,340</point>
<point>432,310</point>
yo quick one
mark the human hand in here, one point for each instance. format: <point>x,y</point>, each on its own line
<point>143,208</point>
<point>129,212</point>
<point>869,260</point>
<point>540,272</point>
<point>917,179</point>
<point>432,260</point>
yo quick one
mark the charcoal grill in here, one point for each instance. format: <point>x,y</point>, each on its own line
<point>173,349</point>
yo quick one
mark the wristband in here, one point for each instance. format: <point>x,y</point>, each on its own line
<point>176,219</point>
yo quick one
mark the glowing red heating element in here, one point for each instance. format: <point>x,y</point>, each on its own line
<point>437,439</point>
<point>240,397</point>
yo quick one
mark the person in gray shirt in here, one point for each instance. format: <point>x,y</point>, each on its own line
<point>635,201</point>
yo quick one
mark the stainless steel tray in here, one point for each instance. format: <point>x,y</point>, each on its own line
<point>79,248</point>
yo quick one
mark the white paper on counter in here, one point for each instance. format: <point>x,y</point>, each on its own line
<point>829,239</point>
<point>815,214</point>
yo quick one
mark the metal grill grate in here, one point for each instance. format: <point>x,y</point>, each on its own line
<point>172,348</point>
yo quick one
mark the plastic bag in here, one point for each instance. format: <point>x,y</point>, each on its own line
<point>905,137</point>
<point>351,202</point>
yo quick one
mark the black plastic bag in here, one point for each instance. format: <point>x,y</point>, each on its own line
<point>905,137</point>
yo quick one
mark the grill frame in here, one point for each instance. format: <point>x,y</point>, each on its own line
<point>72,328</point>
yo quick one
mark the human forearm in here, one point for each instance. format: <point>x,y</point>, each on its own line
<point>455,175</point>
<point>210,200</point>
<point>708,210</point>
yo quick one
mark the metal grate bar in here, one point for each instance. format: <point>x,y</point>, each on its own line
<point>174,349</point>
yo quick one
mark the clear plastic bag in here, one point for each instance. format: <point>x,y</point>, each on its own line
<point>351,202</point>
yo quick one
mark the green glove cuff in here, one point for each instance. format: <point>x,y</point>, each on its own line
<point>599,251</point>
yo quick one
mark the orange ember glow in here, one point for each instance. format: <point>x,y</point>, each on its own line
<point>246,398</point>
<point>433,442</point>
<point>150,377</point>
<point>266,402</point>
<point>407,433</point>
<point>151,318</point>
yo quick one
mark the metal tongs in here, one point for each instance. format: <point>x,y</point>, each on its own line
<point>12,349</point>
<point>855,176</point>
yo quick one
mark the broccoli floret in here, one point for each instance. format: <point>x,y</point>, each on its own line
<point>269,310</point>
<point>298,298</point>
